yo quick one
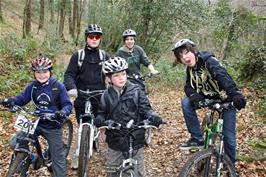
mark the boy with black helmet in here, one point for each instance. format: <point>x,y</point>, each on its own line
<point>207,78</point>
<point>41,93</point>
<point>84,73</point>
<point>121,102</point>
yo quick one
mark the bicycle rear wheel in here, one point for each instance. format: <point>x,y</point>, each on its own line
<point>197,165</point>
<point>67,130</point>
<point>84,151</point>
<point>19,165</point>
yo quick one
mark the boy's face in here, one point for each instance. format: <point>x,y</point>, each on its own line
<point>119,79</point>
<point>93,40</point>
<point>130,42</point>
<point>188,58</point>
<point>42,76</point>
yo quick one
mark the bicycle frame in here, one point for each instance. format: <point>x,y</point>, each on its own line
<point>213,130</point>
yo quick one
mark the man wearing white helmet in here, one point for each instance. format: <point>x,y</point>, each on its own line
<point>122,102</point>
<point>134,55</point>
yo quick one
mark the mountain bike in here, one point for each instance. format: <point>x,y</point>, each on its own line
<point>128,166</point>
<point>212,161</point>
<point>28,148</point>
<point>87,134</point>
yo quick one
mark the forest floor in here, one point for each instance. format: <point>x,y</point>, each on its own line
<point>163,158</point>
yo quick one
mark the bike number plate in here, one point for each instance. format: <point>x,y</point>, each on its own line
<point>25,125</point>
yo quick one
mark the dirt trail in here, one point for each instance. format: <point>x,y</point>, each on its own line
<point>163,157</point>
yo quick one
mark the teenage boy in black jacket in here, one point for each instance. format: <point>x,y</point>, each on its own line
<point>207,78</point>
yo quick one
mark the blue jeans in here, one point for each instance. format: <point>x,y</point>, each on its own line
<point>229,127</point>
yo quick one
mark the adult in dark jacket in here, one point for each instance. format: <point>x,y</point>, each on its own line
<point>207,78</point>
<point>84,73</point>
<point>40,92</point>
<point>121,102</point>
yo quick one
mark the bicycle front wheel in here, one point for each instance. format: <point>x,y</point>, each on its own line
<point>19,165</point>
<point>203,163</point>
<point>128,173</point>
<point>67,130</point>
<point>84,151</point>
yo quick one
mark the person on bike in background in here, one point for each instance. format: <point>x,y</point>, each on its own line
<point>40,92</point>
<point>207,79</point>
<point>135,56</point>
<point>121,102</point>
<point>84,72</point>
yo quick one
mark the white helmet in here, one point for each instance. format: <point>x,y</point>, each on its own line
<point>129,32</point>
<point>183,42</point>
<point>114,65</point>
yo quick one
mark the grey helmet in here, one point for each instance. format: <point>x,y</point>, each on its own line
<point>183,42</point>
<point>114,65</point>
<point>129,32</point>
<point>93,29</point>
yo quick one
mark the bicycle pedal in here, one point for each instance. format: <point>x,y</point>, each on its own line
<point>194,150</point>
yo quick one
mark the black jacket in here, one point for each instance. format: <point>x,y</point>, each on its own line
<point>132,104</point>
<point>209,78</point>
<point>89,75</point>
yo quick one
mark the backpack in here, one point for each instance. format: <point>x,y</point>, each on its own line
<point>55,94</point>
<point>81,56</point>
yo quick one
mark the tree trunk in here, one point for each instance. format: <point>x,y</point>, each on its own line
<point>75,16</point>
<point>70,22</point>
<point>41,22</point>
<point>62,14</point>
<point>1,13</point>
<point>27,19</point>
<point>51,7</point>
<point>80,12</point>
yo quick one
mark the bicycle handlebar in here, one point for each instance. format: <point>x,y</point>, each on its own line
<point>215,104</point>
<point>143,77</point>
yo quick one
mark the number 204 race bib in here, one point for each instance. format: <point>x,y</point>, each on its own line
<point>25,125</point>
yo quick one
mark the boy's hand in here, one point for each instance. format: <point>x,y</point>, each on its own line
<point>239,101</point>
<point>8,102</point>
<point>195,99</point>
<point>156,120</point>
<point>60,115</point>
<point>73,93</point>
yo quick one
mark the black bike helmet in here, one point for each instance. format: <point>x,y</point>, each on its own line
<point>183,42</point>
<point>114,65</point>
<point>93,29</point>
<point>41,63</point>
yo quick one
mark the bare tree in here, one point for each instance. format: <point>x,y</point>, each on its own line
<point>1,13</point>
<point>27,19</point>
<point>41,21</point>
<point>75,16</point>
<point>80,12</point>
<point>51,7</point>
<point>62,14</point>
<point>70,22</point>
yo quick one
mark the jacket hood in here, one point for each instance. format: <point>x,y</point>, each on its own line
<point>202,56</point>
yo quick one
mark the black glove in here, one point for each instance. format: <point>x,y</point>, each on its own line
<point>195,99</point>
<point>155,120</point>
<point>239,100</point>
<point>99,122</point>
<point>60,115</point>
<point>8,102</point>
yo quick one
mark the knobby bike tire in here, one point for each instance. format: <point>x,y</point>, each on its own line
<point>15,167</point>
<point>67,130</point>
<point>84,151</point>
<point>128,173</point>
<point>195,165</point>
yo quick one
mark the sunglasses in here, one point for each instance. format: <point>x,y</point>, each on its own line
<point>92,37</point>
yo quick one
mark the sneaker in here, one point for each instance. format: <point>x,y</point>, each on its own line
<point>192,143</point>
